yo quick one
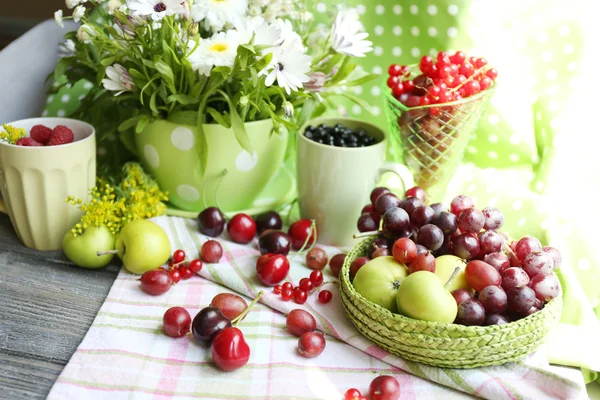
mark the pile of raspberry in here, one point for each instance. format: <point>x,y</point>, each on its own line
<point>41,135</point>
<point>444,79</point>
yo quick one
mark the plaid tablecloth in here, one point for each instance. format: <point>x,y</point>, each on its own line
<point>125,355</point>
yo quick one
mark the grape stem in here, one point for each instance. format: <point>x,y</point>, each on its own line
<point>456,271</point>
<point>106,252</point>
<point>240,317</point>
<point>366,234</point>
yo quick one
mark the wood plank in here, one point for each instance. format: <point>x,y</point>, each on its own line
<point>46,307</point>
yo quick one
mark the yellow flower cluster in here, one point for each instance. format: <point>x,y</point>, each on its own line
<point>12,134</point>
<point>136,197</point>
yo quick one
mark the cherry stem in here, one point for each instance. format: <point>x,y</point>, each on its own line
<point>237,319</point>
<point>106,252</point>
<point>456,271</point>
<point>366,234</point>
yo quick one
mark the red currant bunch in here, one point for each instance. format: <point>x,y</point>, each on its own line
<point>306,286</point>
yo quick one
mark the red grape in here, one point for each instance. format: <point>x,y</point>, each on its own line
<point>555,254</point>
<point>461,295</point>
<point>546,287</point>
<point>378,191</point>
<point>395,220</point>
<point>336,263</point>
<point>480,274</point>
<point>527,245</point>
<point>231,305</point>
<point>410,204</point>
<point>422,262</point>
<point>357,264</point>
<point>497,260</point>
<point>471,220</point>
<point>496,319</point>
<point>316,259</point>
<point>466,246</point>
<point>514,277</point>
<point>156,281</point>
<point>520,299</point>
<point>417,192</point>
<point>538,263</point>
<point>422,216</point>
<point>367,223</point>
<point>211,251</point>
<point>384,387</point>
<point>447,222</point>
<point>470,312</point>
<point>299,322</point>
<point>430,236</point>
<point>177,322</point>
<point>490,242</point>
<point>382,252</point>
<point>404,250</point>
<point>438,208</point>
<point>311,344</point>
<point>305,284</point>
<point>460,203</point>
<point>325,296</point>
<point>493,299</point>
<point>369,208</point>
<point>316,277</point>
<point>421,249</point>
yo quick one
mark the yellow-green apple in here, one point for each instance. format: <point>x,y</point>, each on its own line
<point>142,246</point>
<point>444,268</point>
<point>378,281</point>
<point>82,249</point>
<point>422,296</point>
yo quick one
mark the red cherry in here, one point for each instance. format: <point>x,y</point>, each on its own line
<point>300,296</point>
<point>229,349</point>
<point>241,228</point>
<point>178,256</point>
<point>195,266</point>
<point>394,70</point>
<point>325,296</point>
<point>316,277</point>
<point>384,387</point>
<point>392,80</point>
<point>300,231</point>
<point>272,268</point>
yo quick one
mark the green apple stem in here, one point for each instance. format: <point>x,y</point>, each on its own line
<point>456,271</point>
<point>240,317</point>
<point>366,234</point>
<point>106,252</point>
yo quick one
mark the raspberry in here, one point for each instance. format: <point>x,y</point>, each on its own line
<point>27,141</point>
<point>40,133</point>
<point>61,135</point>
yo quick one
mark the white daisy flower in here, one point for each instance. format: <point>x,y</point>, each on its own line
<point>112,6</point>
<point>156,9</point>
<point>71,4</point>
<point>78,13</point>
<point>288,35</point>
<point>289,67</point>
<point>216,14</point>
<point>118,79</point>
<point>347,36</point>
<point>219,50</point>
<point>260,32</point>
<point>58,17</point>
<point>85,33</point>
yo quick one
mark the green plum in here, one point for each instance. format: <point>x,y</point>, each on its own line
<point>444,268</point>
<point>378,281</point>
<point>143,246</point>
<point>422,296</point>
<point>83,249</point>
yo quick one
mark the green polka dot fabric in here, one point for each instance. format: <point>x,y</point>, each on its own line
<point>524,153</point>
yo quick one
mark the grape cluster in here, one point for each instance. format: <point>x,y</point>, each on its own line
<point>339,136</point>
<point>441,80</point>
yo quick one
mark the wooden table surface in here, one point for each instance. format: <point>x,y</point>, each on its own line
<point>46,308</point>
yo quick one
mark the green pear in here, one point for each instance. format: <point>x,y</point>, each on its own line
<point>378,281</point>
<point>82,249</point>
<point>142,246</point>
<point>444,268</point>
<point>422,296</point>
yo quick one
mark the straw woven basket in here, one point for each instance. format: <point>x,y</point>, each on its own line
<point>444,345</point>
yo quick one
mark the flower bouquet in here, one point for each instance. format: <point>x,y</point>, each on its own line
<point>203,63</point>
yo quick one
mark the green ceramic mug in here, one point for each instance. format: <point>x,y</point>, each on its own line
<point>36,181</point>
<point>334,183</point>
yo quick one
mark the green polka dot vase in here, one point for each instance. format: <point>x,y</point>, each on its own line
<point>233,178</point>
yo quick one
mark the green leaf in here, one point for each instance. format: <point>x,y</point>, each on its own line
<point>248,47</point>
<point>108,61</point>
<point>343,72</point>
<point>307,111</point>
<point>167,55</point>
<point>129,123</point>
<point>220,118</point>
<point>238,125</point>
<point>362,80</point>
<point>153,103</point>
<point>182,99</point>
<point>333,61</point>
<point>149,64</point>
<point>139,128</point>
<point>167,73</point>
<point>197,90</point>
<point>61,67</point>
<point>263,62</point>
<point>254,75</point>
<point>183,117</point>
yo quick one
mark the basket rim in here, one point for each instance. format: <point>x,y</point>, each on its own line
<point>475,330</point>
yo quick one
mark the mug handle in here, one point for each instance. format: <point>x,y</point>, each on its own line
<point>401,171</point>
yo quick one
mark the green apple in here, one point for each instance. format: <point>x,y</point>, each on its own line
<point>378,281</point>
<point>422,296</point>
<point>83,249</point>
<point>142,246</point>
<point>444,268</point>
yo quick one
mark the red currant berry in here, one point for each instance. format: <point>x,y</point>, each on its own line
<point>425,100</point>
<point>459,80</point>
<point>277,289</point>
<point>454,68</point>
<point>287,286</point>
<point>442,57</point>
<point>306,284</point>
<point>392,81</point>
<point>458,57</point>
<point>185,272</point>
<point>444,71</point>
<point>450,81</point>
<point>492,73</point>
<point>444,96</point>
<point>287,294</point>
<point>480,62</point>
<point>485,83</point>
<point>316,277</point>
<point>325,296</point>
<point>434,91</point>
<point>394,70</point>
<point>408,85</point>
<point>434,111</point>
<point>195,266</point>
<point>352,394</point>
<point>425,63</point>
<point>413,101</point>
<point>473,60</point>
<point>300,297</point>
<point>472,87</point>
<point>405,70</point>
<point>397,89</point>
<point>433,72</point>
<point>296,288</point>
<point>466,69</point>
<point>178,256</point>
<point>175,275</point>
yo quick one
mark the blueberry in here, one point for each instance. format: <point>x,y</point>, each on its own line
<point>309,134</point>
<point>340,142</point>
